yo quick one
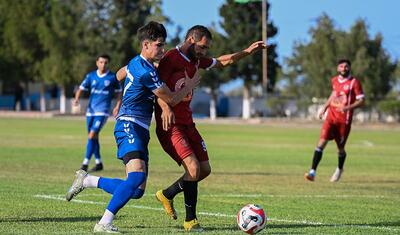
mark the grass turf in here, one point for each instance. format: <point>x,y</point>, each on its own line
<point>262,164</point>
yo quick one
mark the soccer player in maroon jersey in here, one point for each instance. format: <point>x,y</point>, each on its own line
<point>176,130</point>
<point>346,96</point>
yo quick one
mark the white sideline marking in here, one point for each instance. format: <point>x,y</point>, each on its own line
<point>262,196</point>
<point>367,143</point>
<point>61,198</point>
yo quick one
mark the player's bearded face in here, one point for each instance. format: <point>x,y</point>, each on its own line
<point>199,49</point>
<point>343,69</point>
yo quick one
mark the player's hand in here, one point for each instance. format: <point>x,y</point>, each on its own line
<point>256,46</point>
<point>115,111</point>
<point>167,117</point>
<point>75,102</point>
<point>194,81</point>
<point>321,113</point>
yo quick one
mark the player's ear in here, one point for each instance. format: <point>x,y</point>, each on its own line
<point>191,39</point>
<point>145,44</point>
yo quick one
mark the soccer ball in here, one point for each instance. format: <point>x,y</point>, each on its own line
<point>251,219</point>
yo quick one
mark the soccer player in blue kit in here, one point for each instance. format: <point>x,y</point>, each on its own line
<point>132,127</point>
<point>102,85</point>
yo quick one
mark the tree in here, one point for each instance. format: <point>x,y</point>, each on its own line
<point>57,41</point>
<point>242,24</point>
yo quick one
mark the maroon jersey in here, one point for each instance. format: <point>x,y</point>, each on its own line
<point>171,70</point>
<point>345,92</point>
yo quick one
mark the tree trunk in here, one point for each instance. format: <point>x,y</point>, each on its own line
<point>246,102</point>
<point>27,97</point>
<point>42,98</point>
<point>62,99</point>
<point>213,104</point>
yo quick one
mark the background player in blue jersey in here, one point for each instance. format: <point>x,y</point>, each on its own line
<point>102,85</point>
<point>132,128</point>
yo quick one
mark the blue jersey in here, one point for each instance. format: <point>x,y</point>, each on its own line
<point>138,98</point>
<point>102,88</point>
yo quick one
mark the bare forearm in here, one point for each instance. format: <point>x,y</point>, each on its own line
<point>229,59</point>
<point>178,96</point>
<point>356,104</point>
<point>162,103</point>
<point>78,94</point>
<point>119,100</point>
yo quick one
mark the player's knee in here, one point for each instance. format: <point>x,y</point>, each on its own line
<point>93,135</point>
<point>135,178</point>
<point>138,193</point>
<point>192,167</point>
<point>205,172</point>
<point>194,173</point>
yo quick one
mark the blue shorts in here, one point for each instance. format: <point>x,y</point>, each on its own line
<point>95,123</point>
<point>131,137</point>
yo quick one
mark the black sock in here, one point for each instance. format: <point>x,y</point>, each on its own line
<point>342,158</point>
<point>316,159</point>
<point>174,189</point>
<point>190,192</point>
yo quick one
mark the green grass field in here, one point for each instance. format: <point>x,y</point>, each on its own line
<point>262,164</point>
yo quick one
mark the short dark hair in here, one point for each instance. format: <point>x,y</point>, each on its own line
<point>105,56</point>
<point>341,61</point>
<point>198,32</point>
<point>152,31</point>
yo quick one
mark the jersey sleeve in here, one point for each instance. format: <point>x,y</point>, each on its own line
<point>358,91</point>
<point>207,63</point>
<point>151,80</point>
<point>85,85</point>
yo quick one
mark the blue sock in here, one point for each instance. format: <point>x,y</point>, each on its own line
<point>125,190</point>
<point>96,148</point>
<point>138,193</point>
<point>89,148</point>
<point>109,186</point>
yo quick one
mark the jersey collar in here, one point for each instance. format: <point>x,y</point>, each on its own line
<point>101,75</point>
<point>183,55</point>
<point>147,61</point>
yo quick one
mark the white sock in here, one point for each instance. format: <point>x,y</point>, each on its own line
<point>107,217</point>
<point>85,161</point>
<point>98,161</point>
<point>90,181</point>
<point>312,172</point>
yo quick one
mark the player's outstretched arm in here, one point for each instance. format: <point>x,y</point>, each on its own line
<point>228,59</point>
<point>121,74</point>
<point>173,98</point>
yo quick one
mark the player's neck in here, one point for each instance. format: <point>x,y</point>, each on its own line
<point>147,57</point>
<point>341,77</point>
<point>184,49</point>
